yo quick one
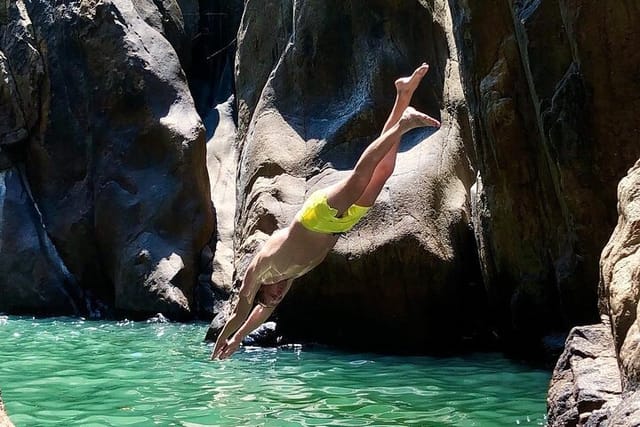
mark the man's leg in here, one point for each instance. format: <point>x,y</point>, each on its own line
<point>348,191</point>
<point>405,87</point>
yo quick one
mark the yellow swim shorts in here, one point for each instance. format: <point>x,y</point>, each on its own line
<point>316,215</point>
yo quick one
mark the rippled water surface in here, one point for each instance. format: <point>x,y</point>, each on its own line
<point>69,372</point>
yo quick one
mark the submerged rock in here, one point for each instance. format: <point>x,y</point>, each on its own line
<point>265,336</point>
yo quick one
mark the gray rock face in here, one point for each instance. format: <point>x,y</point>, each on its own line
<point>21,71</point>
<point>596,379</point>
<point>313,77</point>
<point>34,279</point>
<point>312,93</point>
<point>552,96</point>
<point>112,146</point>
<point>586,380</point>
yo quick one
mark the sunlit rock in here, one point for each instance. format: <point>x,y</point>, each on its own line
<point>314,87</point>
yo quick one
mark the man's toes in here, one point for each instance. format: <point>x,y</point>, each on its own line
<point>422,70</point>
<point>433,122</point>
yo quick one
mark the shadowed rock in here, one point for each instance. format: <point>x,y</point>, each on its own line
<point>551,89</point>
<point>325,89</point>
<point>34,278</point>
<point>114,149</point>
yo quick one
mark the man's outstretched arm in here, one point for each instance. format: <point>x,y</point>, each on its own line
<point>243,308</point>
<point>233,324</point>
<point>258,316</point>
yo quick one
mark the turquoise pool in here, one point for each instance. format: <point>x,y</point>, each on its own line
<point>71,372</point>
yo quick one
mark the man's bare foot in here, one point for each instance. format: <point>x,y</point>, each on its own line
<point>407,85</point>
<point>412,118</point>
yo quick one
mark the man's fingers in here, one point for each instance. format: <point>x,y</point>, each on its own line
<point>217,353</point>
<point>229,349</point>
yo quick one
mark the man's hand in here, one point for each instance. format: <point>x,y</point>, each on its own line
<point>227,349</point>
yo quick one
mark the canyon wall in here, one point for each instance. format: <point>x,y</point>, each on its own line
<point>528,93</point>
<point>105,201</point>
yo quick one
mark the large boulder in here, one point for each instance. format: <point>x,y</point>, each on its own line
<point>314,87</point>
<point>34,279</point>
<point>114,150</point>
<point>620,278</point>
<point>597,378</point>
<point>585,385</point>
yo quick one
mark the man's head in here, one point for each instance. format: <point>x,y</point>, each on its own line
<point>271,295</point>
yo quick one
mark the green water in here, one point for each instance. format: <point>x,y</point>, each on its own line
<point>69,372</point>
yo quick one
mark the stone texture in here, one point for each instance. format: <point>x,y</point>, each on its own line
<point>311,95</point>
<point>586,380</point>
<point>165,16</point>
<point>115,151</point>
<point>620,278</point>
<point>222,162</point>
<point>21,75</point>
<point>596,357</point>
<point>34,279</point>
<point>551,90</point>
<point>216,102</point>
<point>627,413</point>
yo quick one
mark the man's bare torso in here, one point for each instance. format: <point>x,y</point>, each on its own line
<point>290,253</point>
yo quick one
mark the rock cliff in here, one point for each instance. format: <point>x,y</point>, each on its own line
<point>522,92</point>
<point>554,107</point>
<point>596,381</point>
<point>306,113</point>
<point>105,201</point>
